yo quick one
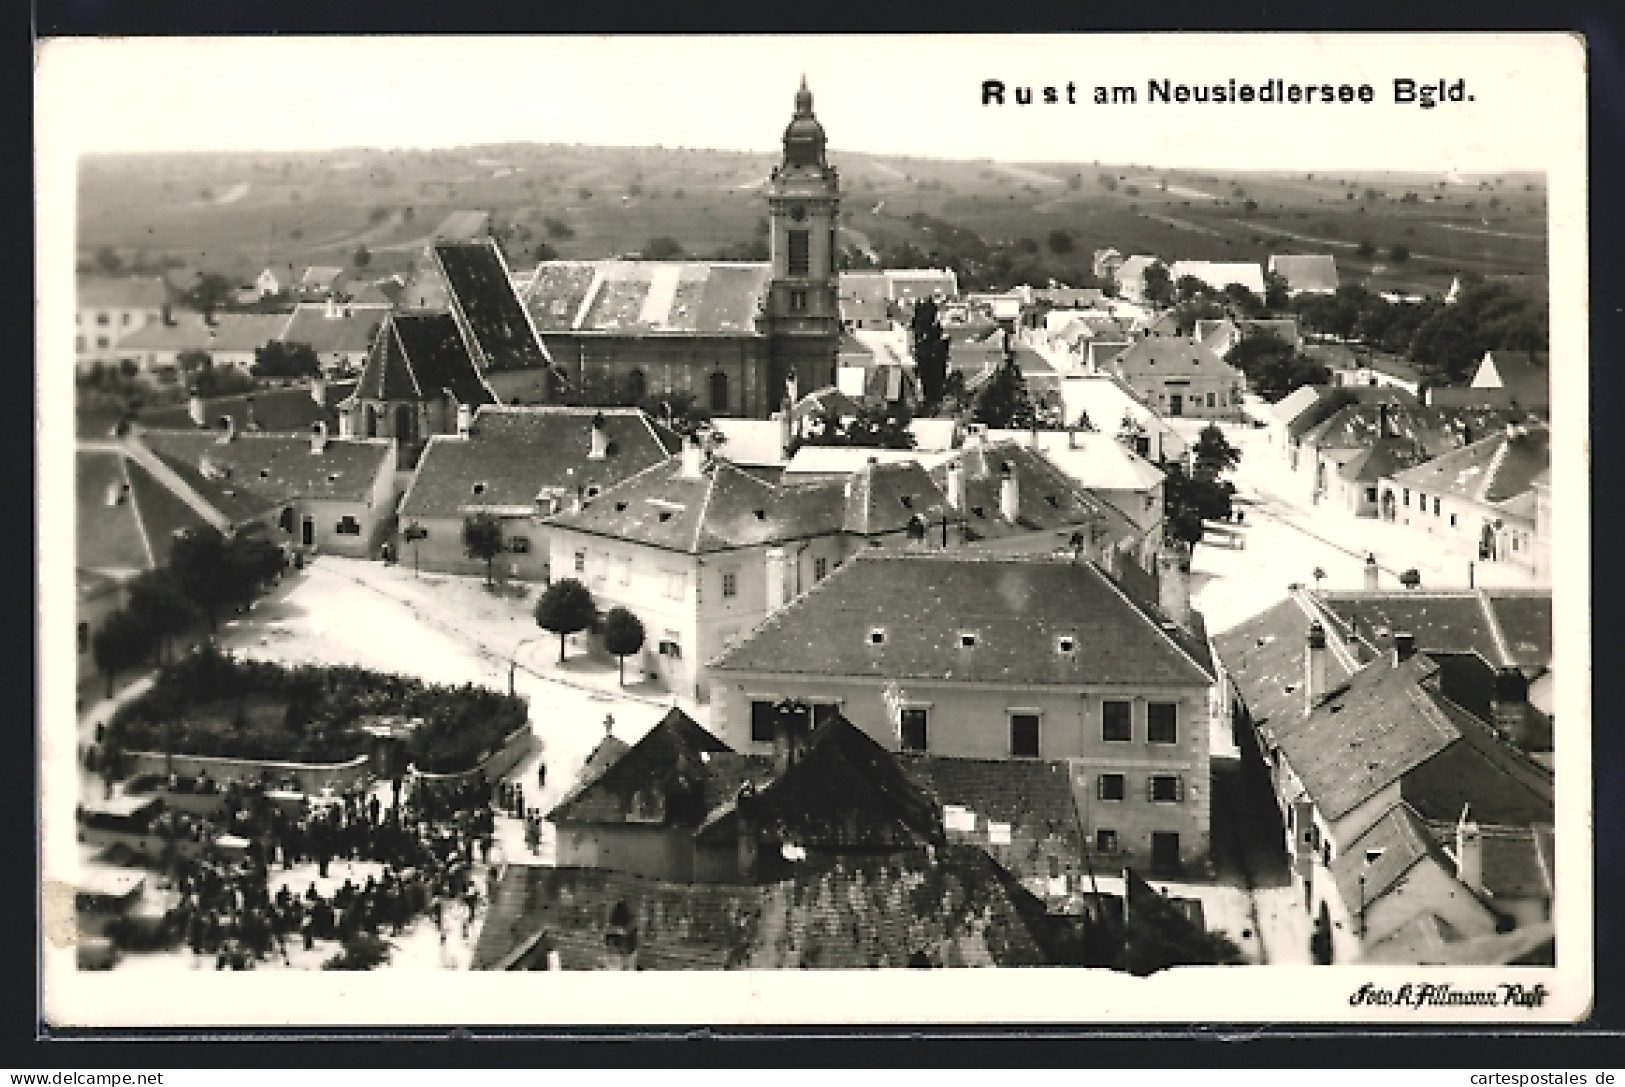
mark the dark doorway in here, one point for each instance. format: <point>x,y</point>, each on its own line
<point>371,429</point>
<point>719,391</point>
<point>1165,851</point>
<point>307,532</point>
<point>405,424</point>
<point>1176,404</point>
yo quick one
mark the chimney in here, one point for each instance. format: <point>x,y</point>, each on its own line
<point>1009,493</point>
<point>778,579</point>
<point>1509,708</point>
<point>1315,680</point>
<point>465,420</point>
<point>1174,583</point>
<point>196,409</point>
<point>1404,646</point>
<point>956,484</point>
<point>318,389</point>
<point>1371,573</point>
<point>599,438</point>
<point>693,458</point>
<point>1469,852</point>
<point>228,429</point>
<point>318,437</point>
<point>251,421</point>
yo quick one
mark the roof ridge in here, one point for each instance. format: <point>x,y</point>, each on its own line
<point>135,508</point>
<point>1139,610</point>
<point>1493,623</point>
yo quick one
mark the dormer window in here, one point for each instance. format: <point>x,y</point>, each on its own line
<point>479,488</point>
<point>1066,644</point>
<point>877,635</point>
<point>967,639</point>
<point>594,491</point>
<point>620,507</point>
<point>1052,500</point>
<point>908,501</point>
<point>665,515</point>
<point>977,510</point>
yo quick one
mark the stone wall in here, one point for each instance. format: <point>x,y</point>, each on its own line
<point>312,777</point>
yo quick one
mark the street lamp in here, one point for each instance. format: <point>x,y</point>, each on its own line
<point>513,660</point>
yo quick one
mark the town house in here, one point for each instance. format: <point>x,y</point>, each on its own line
<point>1176,377</point>
<point>986,657</point>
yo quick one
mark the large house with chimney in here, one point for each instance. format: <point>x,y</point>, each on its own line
<point>957,656</point>
<point>1395,734</point>
<point>703,550</point>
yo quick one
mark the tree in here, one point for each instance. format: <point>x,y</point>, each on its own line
<point>213,572</point>
<point>280,359</point>
<point>1213,455</point>
<point>482,540</point>
<point>874,426</point>
<point>1189,287</point>
<point>157,601</point>
<point>122,642</point>
<point>194,361</point>
<point>566,608</point>
<point>209,293</point>
<point>1411,579</point>
<point>1003,403</point>
<point>930,350</point>
<point>1188,501</point>
<point>679,411</point>
<point>662,248</point>
<point>623,635</point>
<point>1159,288</point>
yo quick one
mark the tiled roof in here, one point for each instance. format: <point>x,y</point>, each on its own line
<point>121,292</point>
<point>265,469</point>
<point>1169,356</point>
<point>1517,861</point>
<point>1047,498</point>
<point>1506,627</point>
<point>515,454</point>
<point>1220,274</point>
<point>954,908</point>
<point>648,296</point>
<point>1265,659</point>
<point>606,754</point>
<point>1399,840</point>
<point>351,330</point>
<point>499,333</point>
<point>1093,460</point>
<point>1490,471</point>
<point>828,401</point>
<point>108,537</point>
<point>1316,272</point>
<point>1018,609</point>
<point>1291,407</point>
<point>673,756</point>
<point>719,509</point>
<point>162,513</point>
<point>319,277</point>
<point>1381,460</point>
<point>1525,375</point>
<point>288,411</point>
<point>1032,798</point>
<point>1428,941</point>
<point>1435,430</point>
<point>418,356</point>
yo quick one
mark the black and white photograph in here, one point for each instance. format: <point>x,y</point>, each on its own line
<point>851,529</point>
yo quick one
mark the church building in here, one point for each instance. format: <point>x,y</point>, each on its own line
<point>733,335</point>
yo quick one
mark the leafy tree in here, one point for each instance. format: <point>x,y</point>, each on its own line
<point>194,361</point>
<point>157,601</point>
<point>623,635</point>
<point>874,426</point>
<point>1411,579</point>
<point>1213,455</point>
<point>1159,288</point>
<point>1189,287</point>
<point>214,380</point>
<point>1246,303</point>
<point>566,608</point>
<point>1188,501</point>
<point>664,247</point>
<point>279,359</point>
<point>482,540</point>
<point>1003,403</point>
<point>679,411</point>
<point>213,572</point>
<point>121,642</point>
<point>1273,368</point>
<point>210,293</point>
<point>930,350</point>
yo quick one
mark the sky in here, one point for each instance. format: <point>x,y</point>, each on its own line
<point>919,96</point>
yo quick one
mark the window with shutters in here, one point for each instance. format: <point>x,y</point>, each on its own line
<point>1111,787</point>
<point>1166,788</point>
<point>820,568</point>
<point>1115,726</point>
<point>798,301</point>
<point>1024,735</point>
<point>1105,841</point>
<point>730,584</point>
<point>1162,723</point>
<point>761,722</point>
<point>799,262</point>
<point>913,729</point>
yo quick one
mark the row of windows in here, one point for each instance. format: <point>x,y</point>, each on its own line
<point>102,343</point>
<point>1422,503</point>
<point>1159,788</point>
<point>914,727</point>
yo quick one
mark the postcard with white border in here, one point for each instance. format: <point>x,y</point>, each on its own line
<point>956,530</point>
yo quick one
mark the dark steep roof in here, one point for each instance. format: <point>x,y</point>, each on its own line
<point>922,601</point>
<point>1490,471</point>
<point>646,296</point>
<point>1032,798</point>
<point>499,333</point>
<point>108,536</point>
<point>419,356</point>
<point>1507,627</point>
<point>252,472</point>
<point>288,411</point>
<point>515,454</point>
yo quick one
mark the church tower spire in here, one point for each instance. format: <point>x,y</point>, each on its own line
<point>803,209</point>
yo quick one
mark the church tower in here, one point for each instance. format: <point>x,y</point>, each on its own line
<point>804,317</point>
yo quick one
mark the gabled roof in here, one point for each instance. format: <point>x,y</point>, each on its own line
<point>1107,400</point>
<point>844,460</point>
<point>615,296</point>
<point>515,454</point>
<point>107,527</point>
<point>1400,841</point>
<point>1265,659</point>
<point>1525,375</point>
<point>1134,267</point>
<point>1517,861</point>
<point>319,277</point>
<point>161,512</point>
<point>1382,459</point>
<point>351,330</point>
<point>188,332</point>
<point>493,321</point>
<point>884,498</point>
<point>263,470</point>
<point>1299,401</point>
<point>1508,628</point>
<point>121,292</point>
<point>1490,471</point>
<point>1093,460</point>
<point>288,411</point>
<point>924,601</point>
<point>1435,430</point>
<point>1047,498</point>
<point>1170,356</point>
<point>421,356</point>
<point>718,509</point>
<point>1310,272</point>
<point>674,758</point>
